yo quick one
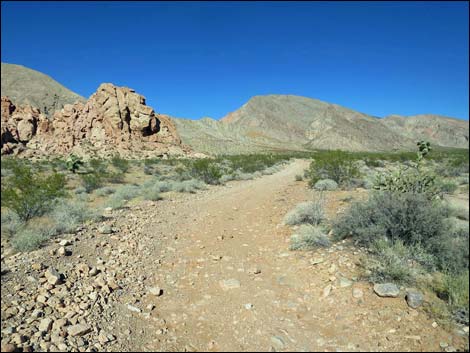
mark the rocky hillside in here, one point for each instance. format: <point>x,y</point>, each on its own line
<point>113,120</point>
<point>298,123</point>
<point>23,85</point>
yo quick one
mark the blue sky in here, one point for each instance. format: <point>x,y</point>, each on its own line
<point>195,59</point>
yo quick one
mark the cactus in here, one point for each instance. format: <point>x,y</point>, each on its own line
<point>73,163</point>
<point>410,179</point>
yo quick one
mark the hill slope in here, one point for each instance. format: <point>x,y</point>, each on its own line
<point>23,85</point>
<point>298,123</point>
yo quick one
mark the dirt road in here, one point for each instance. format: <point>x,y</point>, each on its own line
<point>212,272</point>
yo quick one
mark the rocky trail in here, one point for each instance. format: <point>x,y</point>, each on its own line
<point>206,272</point>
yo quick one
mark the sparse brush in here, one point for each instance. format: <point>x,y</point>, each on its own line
<point>67,215</point>
<point>308,237</point>
<point>311,212</point>
<point>104,191</point>
<point>11,223</point>
<point>32,237</point>
<point>326,184</point>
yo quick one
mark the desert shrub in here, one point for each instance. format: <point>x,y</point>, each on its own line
<point>447,187</point>
<point>408,217</point>
<point>122,195</point>
<point>148,170</point>
<point>30,194</point>
<point>91,181</point>
<point>11,223</point>
<point>120,163</point>
<point>413,179</point>
<point>73,163</point>
<point>67,215</point>
<point>454,288</point>
<point>206,170</point>
<point>336,165</point>
<point>326,184</point>
<point>299,177</point>
<point>79,190</point>
<point>152,193</point>
<point>106,190</point>
<point>32,237</point>
<point>311,212</point>
<point>308,237</point>
<point>163,186</point>
<point>227,177</point>
<point>190,186</point>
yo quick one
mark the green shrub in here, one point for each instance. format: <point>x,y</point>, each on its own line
<point>447,187</point>
<point>408,217</point>
<point>29,194</point>
<point>91,181</point>
<point>73,163</point>
<point>106,190</point>
<point>121,164</point>
<point>152,194</point>
<point>311,212</point>
<point>67,215</point>
<point>206,170</point>
<point>189,186</point>
<point>336,165</point>
<point>308,237</point>
<point>325,184</point>
<point>11,223</point>
<point>32,237</point>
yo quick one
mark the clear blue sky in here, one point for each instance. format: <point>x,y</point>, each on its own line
<point>194,59</point>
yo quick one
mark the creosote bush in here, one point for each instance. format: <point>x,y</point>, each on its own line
<point>336,165</point>
<point>31,194</point>
<point>326,184</point>
<point>206,170</point>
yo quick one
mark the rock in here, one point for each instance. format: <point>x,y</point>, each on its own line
<point>62,251</point>
<point>255,270</point>
<point>65,242</point>
<point>277,342</point>
<point>133,308</point>
<point>155,291</point>
<point>229,284</point>
<point>78,330</point>
<point>414,299</point>
<point>344,282</point>
<point>357,293</point>
<point>8,347</point>
<point>386,290</point>
<point>52,276</point>
<point>316,261</point>
<point>249,306</point>
<point>327,290</point>
<point>105,229</point>
<point>45,325</point>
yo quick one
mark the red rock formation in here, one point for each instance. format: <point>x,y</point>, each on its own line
<point>114,119</point>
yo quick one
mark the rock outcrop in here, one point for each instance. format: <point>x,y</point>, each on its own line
<point>113,120</point>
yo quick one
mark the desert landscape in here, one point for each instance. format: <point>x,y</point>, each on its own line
<point>289,224</point>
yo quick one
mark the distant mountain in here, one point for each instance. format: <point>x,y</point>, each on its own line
<point>23,85</point>
<point>267,123</point>
<point>274,122</point>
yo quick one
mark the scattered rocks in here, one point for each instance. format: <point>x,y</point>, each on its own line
<point>45,325</point>
<point>414,299</point>
<point>157,291</point>
<point>134,308</point>
<point>386,290</point>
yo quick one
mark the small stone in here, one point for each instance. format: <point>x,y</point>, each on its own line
<point>157,291</point>
<point>332,269</point>
<point>254,270</point>
<point>357,293</point>
<point>133,308</point>
<point>8,347</point>
<point>316,261</point>
<point>229,284</point>
<point>434,324</point>
<point>450,349</point>
<point>62,251</point>
<point>248,306</point>
<point>65,242</point>
<point>105,229</point>
<point>443,345</point>
<point>386,290</point>
<point>37,266</point>
<point>327,290</point>
<point>414,299</point>
<point>344,282</point>
<point>52,276</point>
<point>78,330</point>
<point>45,325</point>
<point>277,342</point>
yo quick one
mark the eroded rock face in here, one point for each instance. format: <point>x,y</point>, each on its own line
<point>114,119</point>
